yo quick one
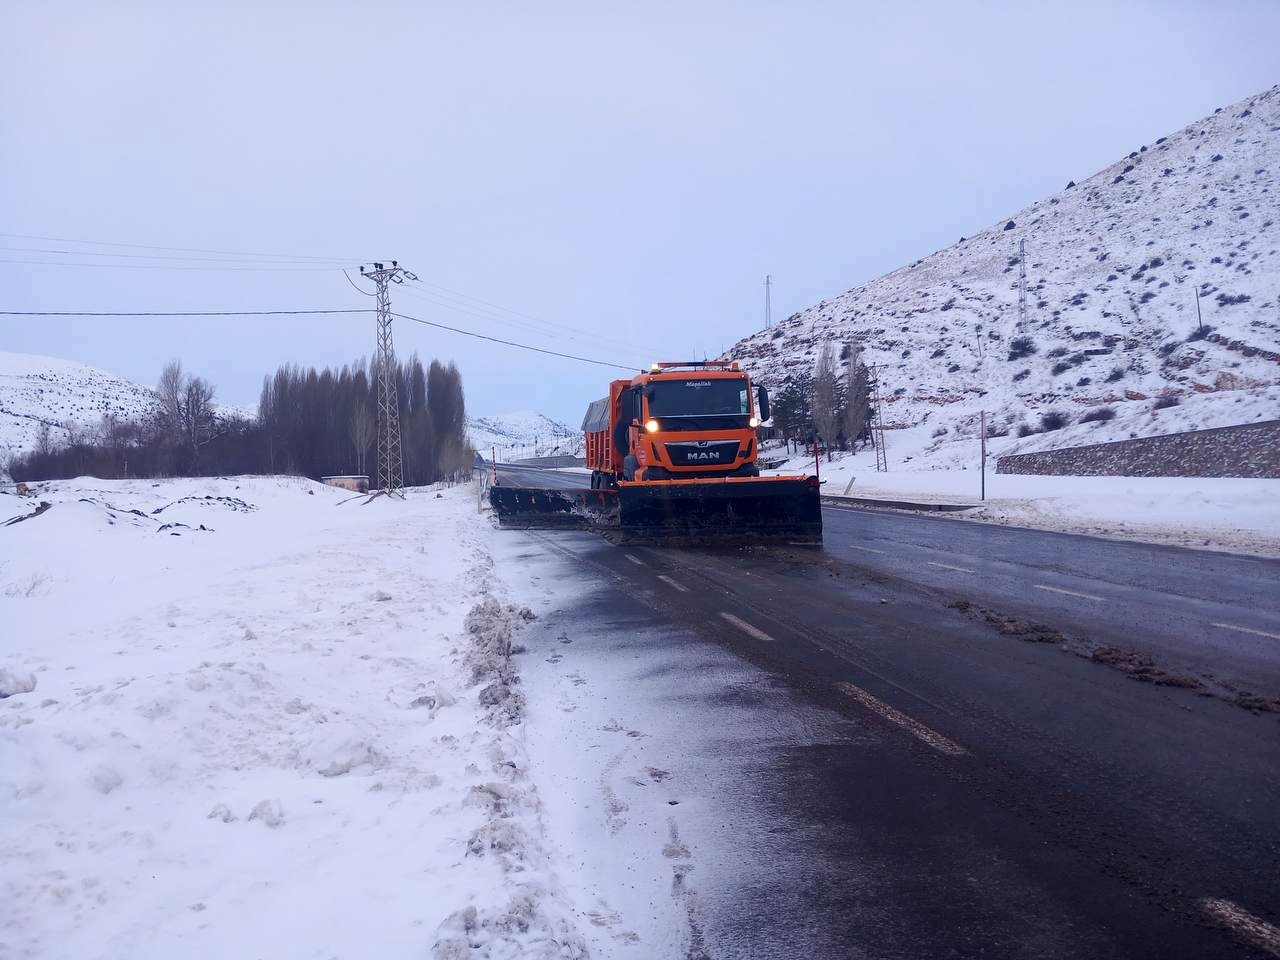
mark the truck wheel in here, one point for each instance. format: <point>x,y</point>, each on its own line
<point>629,467</point>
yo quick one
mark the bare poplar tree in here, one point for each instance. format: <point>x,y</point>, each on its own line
<point>170,412</point>
<point>857,394</point>
<point>361,428</point>
<point>826,416</point>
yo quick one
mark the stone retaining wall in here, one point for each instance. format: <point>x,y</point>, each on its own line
<point>1247,450</point>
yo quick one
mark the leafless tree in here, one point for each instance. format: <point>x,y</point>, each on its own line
<point>44,442</point>
<point>186,416</point>
<point>362,428</point>
<point>826,416</point>
<point>857,394</point>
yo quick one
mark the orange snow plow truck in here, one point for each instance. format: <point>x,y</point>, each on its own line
<point>672,453</point>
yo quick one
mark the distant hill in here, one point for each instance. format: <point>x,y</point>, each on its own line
<point>533,434</point>
<point>1113,264</point>
<point>65,394</point>
<point>37,390</point>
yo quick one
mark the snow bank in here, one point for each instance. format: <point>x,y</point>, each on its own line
<point>256,715</point>
<point>1224,513</point>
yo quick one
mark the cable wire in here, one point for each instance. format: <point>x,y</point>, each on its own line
<point>550,326</point>
<point>513,343</point>
<point>481,313</point>
<point>187,313</point>
<point>151,246</point>
<point>165,266</point>
<point>147,256</point>
<point>357,289</point>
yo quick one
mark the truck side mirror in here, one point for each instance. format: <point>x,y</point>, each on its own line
<point>762,403</point>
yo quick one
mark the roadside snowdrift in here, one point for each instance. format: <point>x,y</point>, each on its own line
<point>1219,513</point>
<point>258,716</point>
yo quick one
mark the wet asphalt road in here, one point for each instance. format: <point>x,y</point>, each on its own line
<point>1017,799</point>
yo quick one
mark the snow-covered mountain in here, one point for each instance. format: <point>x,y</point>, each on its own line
<point>36,390</point>
<point>67,395</point>
<point>1113,264</point>
<point>535,433</point>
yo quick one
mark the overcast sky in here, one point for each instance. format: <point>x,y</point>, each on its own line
<point>624,173</point>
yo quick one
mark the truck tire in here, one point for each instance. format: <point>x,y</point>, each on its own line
<point>629,467</point>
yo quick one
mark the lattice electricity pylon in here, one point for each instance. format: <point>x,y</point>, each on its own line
<point>390,470</point>
<point>877,424</point>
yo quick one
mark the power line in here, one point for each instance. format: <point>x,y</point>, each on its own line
<point>495,306</point>
<point>151,246</point>
<point>163,313</point>
<point>355,286</point>
<point>285,313</point>
<point>439,300</point>
<point>145,256</point>
<point>165,266</point>
<point>434,293</point>
<point>513,343</point>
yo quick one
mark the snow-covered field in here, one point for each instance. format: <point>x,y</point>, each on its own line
<point>1221,513</point>
<point>259,717</point>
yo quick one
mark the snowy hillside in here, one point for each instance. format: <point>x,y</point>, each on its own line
<point>37,390</point>
<point>1113,263</point>
<point>534,433</point>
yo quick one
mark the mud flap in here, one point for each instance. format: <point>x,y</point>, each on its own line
<point>722,511</point>
<point>524,508</point>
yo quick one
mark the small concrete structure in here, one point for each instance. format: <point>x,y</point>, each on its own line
<point>354,483</point>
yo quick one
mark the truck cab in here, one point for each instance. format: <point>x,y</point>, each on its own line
<point>676,421</point>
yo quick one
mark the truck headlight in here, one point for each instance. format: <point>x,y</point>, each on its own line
<point>753,422</point>
<point>651,426</point>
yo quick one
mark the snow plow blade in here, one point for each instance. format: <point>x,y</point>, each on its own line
<point>524,508</point>
<point>731,510</point>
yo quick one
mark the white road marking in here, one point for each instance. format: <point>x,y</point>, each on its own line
<point>672,583</point>
<point>747,628</point>
<point>854,546</point>
<point>947,566</point>
<point>634,559</point>
<point>1069,593</point>
<point>1258,932</point>
<point>1259,633</point>
<point>914,727</point>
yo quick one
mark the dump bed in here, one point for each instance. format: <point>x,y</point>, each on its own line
<point>596,429</point>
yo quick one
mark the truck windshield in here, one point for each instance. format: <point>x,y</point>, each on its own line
<point>699,398</point>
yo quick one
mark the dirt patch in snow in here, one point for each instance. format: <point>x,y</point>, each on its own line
<point>489,626</point>
<point>1009,626</point>
<point>1142,667</point>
